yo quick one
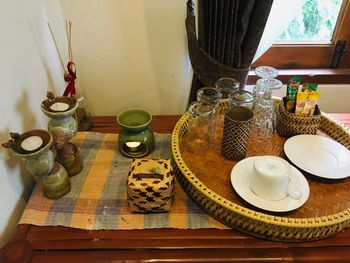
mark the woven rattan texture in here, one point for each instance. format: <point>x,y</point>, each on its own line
<point>289,124</point>
<point>205,175</point>
<point>235,138</point>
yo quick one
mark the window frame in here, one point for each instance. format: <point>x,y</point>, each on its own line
<point>311,56</point>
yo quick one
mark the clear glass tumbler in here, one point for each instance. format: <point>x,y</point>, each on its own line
<point>266,72</point>
<point>226,86</point>
<point>210,94</point>
<point>201,122</point>
<point>266,85</point>
<point>263,123</point>
<point>264,106</point>
<point>241,98</point>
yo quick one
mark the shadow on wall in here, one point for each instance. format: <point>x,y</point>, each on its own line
<point>13,166</point>
<point>40,47</point>
<point>27,115</point>
<point>11,160</point>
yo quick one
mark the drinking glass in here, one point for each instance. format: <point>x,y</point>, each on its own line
<point>226,86</point>
<point>264,107</point>
<point>210,94</point>
<point>263,124</point>
<point>266,72</point>
<point>201,122</point>
<point>241,98</point>
<point>267,81</point>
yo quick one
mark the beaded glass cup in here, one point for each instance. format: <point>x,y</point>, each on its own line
<point>264,108</point>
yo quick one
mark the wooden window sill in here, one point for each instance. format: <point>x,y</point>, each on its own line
<point>319,76</point>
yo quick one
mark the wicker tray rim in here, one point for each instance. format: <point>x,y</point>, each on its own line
<point>322,221</point>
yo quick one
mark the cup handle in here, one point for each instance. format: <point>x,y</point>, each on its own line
<point>293,190</point>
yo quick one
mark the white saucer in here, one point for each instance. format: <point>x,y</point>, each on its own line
<point>240,179</point>
<point>319,156</point>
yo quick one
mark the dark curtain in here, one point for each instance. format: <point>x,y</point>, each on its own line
<point>229,32</point>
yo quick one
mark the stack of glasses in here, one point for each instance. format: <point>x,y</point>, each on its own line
<point>264,107</point>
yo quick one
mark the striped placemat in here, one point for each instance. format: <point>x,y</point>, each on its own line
<point>97,199</point>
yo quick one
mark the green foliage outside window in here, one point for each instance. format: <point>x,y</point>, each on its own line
<point>316,22</point>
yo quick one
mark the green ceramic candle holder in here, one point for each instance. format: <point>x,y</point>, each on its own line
<point>34,146</point>
<point>63,126</point>
<point>136,139</point>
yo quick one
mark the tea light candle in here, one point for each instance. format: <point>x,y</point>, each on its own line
<point>31,143</point>
<point>132,146</point>
<point>59,106</point>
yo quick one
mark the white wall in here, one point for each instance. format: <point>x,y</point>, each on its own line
<point>130,53</point>
<point>28,68</point>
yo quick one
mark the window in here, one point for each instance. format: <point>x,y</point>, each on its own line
<point>314,24</point>
<point>324,43</point>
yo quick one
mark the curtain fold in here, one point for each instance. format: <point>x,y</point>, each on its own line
<point>229,32</point>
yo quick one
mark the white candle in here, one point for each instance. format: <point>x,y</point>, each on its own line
<point>132,145</point>
<point>31,143</point>
<point>59,106</point>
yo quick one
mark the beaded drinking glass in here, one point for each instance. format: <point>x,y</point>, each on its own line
<point>264,107</point>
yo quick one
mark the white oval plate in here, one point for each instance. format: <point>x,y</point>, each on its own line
<point>319,156</point>
<point>240,179</point>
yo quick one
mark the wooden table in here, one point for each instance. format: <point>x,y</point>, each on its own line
<point>61,244</point>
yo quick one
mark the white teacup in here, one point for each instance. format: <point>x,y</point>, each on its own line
<point>271,179</point>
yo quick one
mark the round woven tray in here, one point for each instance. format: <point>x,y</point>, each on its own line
<point>205,175</point>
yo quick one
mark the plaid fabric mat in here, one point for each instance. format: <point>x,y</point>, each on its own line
<point>97,199</point>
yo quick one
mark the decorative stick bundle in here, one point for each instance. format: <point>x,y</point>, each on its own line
<point>69,39</point>
<point>69,74</point>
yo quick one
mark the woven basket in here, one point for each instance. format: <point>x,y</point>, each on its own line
<point>288,124</point>
<point>248,220</point>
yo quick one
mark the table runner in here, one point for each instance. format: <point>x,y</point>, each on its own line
<point>97,199</point>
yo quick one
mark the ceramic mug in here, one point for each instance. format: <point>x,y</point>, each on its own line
<point>271,179</point>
